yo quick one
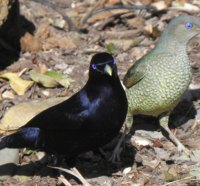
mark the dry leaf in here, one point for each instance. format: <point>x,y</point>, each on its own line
<point>146,2</point>
<point>101,16</point>
<point>42,68</point>
<point>112,2</point>
<point>160,5</point>
<point>136,22</point>
<point>181,1</point>
<point>123,44</point>
<point>22,178</point>
<point>51,42</point>
<point>168,2</point>
<point>30,43</point>
<point>43,32</point>
<point>19,85</point>
<point>185,7</point>
<point>140,141</point>
<point>152,30</point>
<point>8,94</point>
<point>12,119</point>
<point>174,173</point>
<point>66,43</point>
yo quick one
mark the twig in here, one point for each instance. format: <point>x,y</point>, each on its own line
<point>64,180</point>
<point>81,177</point>
<point>176,181</point>
<point>74,172</point>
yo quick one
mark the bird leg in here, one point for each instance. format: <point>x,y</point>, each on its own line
<point>164,120</point>
<point>115,157</point>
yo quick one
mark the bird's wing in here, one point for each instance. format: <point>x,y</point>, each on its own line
<point>135,73</point>
<point>68,115</point>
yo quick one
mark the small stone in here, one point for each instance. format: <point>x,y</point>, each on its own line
<point>127,170</point>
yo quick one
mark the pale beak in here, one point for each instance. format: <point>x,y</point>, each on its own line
<point>108,70</point>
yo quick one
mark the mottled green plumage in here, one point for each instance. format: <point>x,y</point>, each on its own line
<point>160,85</point>
<point>158,80</point>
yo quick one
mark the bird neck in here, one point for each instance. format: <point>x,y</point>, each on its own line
<point>172,41</point>
<point>171,45</point>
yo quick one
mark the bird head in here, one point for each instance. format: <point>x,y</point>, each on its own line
<point>102,66</point>
<point>182,29</point>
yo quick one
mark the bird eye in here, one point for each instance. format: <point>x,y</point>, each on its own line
<point>94,66</point>
<point>188,25</point>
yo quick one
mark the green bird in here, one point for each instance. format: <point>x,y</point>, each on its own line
<point>157,81</point>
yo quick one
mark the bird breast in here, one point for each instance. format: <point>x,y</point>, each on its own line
<point>166,80</point>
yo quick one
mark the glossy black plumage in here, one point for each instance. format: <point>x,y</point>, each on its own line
<point>89,119</point>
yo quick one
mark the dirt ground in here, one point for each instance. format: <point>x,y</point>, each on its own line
<point>49,42</point>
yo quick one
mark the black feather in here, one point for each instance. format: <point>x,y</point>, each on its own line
<point>89,119</point>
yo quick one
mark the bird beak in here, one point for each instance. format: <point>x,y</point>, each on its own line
<point>108,70</point>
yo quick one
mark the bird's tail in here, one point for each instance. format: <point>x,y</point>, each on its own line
<point>25,137</point>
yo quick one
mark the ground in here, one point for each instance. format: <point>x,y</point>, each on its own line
<point>147,158</point>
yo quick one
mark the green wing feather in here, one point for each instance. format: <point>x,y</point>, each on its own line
<point>135,73</point>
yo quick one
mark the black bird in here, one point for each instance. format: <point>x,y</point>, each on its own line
<point>88,120</point>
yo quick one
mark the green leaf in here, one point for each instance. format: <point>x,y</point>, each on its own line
<point>54,74</point>
<point>111,48</point>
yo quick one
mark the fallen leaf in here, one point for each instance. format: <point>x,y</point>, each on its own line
<point>19,85</point>
<point>195,171</point>
<point>160,5</point>
<point>51,42</point>
<point>43,31</point>
<point>169,2</point>
<point>30,43</point>
<point>66,43</point>
<point>123,44</point>
<point>181,1</point>
<point>146,2</point>
<point>140,141</point>
<point>44,80</point>
<point>152,30</point>
<point>50,79</point>
<point>22,178</point>
<point>53,74</point>
<point>12,119</point>
<point>174,173</point>
<point>8,94</point>
<point>185,7</point>
<point>59,42</point>
<point>112,2</point>
<point>136,22</point>
<point>101,16</point>
<point>42,68</point>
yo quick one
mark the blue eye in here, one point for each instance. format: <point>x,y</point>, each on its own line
<point>114,62</point>
<point>94,66</point>
<point>188,25</point>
